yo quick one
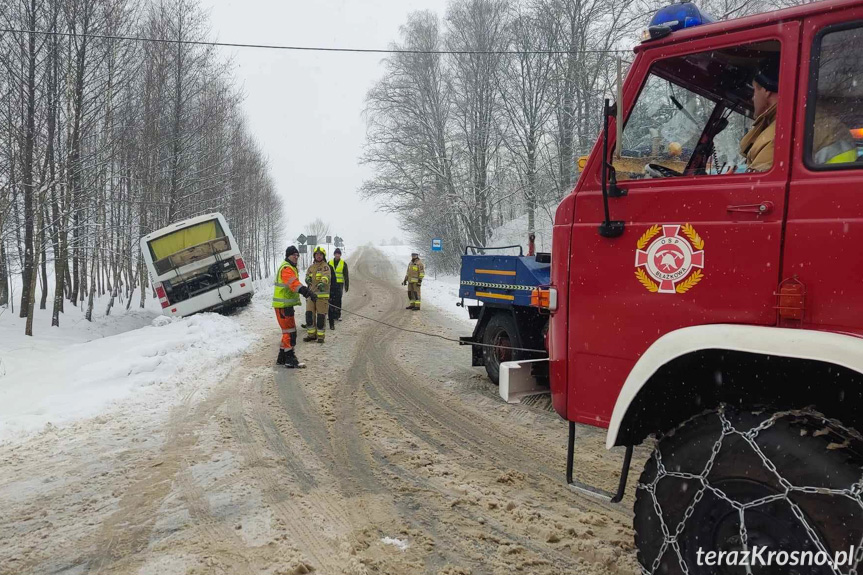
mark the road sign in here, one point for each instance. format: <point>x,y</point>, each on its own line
<point>302,248</point>
<point>312,240</point>
<point>329,239</point>
<point>437,244</point>
<point>301,239</point>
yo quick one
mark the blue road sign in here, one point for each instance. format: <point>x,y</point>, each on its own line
<point>437,244</point>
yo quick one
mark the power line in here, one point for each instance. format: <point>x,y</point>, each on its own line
<point>304,48</point>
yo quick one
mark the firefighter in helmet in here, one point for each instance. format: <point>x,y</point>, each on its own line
<point>318,278</point>
<point>414,279</point>
<point>339,270</point>
<point>286,296</point>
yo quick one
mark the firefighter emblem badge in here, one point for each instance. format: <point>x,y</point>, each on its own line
<point>668,262</point>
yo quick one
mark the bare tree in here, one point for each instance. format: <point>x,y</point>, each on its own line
<point>526,94</point>
<point>106,140</point>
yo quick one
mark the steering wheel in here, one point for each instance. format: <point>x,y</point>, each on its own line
<point>657,171</point>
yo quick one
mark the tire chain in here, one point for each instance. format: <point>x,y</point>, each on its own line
<point>855,492</point>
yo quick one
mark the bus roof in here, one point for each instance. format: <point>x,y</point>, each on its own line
<point>184,224</point>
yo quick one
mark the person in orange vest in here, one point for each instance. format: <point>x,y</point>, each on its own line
<point>287,290</point>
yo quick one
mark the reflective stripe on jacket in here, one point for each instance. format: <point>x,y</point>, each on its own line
<point>286,286</point>
<point>416,271</point>
<point>832,142</point>
<point>340,270</point>
<point>318,278</point>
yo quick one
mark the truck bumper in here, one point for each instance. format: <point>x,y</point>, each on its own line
<point>236,293</point>
<point>520,378</point>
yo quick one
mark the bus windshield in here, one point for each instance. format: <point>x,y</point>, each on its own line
<point>187,245</point>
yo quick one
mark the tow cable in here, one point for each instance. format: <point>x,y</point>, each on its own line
<point>437,335</point>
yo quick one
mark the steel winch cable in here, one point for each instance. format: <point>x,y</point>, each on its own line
<point>437,335</point>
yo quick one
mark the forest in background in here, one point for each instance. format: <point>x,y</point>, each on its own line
<point>105,140</point>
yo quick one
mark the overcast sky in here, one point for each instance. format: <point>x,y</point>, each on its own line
<point>305,109</point>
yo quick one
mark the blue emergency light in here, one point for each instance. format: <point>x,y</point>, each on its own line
<point>675,17</point>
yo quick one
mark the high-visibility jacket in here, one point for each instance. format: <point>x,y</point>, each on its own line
<point>416,271</point>
<point>286,286</point>
<point>318,278</point>
<point>832,142</point>
<point>340,270</point>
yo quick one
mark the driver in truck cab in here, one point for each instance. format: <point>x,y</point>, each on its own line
<point>832,139</point>
<point>757,145</point>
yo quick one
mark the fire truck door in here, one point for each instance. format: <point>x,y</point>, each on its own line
<point>696,249</point>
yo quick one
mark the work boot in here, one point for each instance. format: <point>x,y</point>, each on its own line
<point>332,323</point>
<point>415,309</point>
<point>320,340</point>
<point>310,337</point>
<point>291,360</point>
<point>410,307</point>
<point>281,359</point>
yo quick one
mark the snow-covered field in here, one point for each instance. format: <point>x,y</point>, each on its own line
<point>441,291</point>
<point>131,364</point>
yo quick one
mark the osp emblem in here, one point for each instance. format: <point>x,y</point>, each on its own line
<point>667,262</point>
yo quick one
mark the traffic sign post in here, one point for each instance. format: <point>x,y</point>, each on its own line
<point>303,248</point>
<point>437,245</point>
<point>301,239</point>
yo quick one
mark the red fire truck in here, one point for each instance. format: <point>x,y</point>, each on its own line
<point>717,305</point>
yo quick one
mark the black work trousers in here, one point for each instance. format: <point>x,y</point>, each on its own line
<point>336,291</point>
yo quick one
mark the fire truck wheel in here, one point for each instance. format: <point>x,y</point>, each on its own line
<point>502,333</point>
<point>686,491</point>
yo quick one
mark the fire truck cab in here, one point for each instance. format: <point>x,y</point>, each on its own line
<point>716,303</point>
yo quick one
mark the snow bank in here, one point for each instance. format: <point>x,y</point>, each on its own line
<point>515,232</point>
<point>81,369</point>
<point>440,291</point>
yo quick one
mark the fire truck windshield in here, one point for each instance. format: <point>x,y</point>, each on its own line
<point>684,99</point>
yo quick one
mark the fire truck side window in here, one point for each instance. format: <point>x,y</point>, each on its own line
<point>692,113</point>
<point>834,138</point>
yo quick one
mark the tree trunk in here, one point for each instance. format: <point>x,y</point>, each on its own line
<point>4,272</point>
<point>28,276</point>
<point>92,292</point>
<point>31,294</point>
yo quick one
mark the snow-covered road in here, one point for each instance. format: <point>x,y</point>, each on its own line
<point>389,454</point>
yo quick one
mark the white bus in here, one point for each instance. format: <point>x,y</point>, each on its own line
<point>196,265</point>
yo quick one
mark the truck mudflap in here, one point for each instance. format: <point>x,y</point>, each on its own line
<point>519,379</point>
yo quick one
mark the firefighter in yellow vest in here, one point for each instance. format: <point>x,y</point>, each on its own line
<point>341,285</point>
<point>414,279</point>
<point>318,278</point>
<point>286,296</point>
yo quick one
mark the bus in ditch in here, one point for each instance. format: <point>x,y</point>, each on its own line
<point>196,265</point>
